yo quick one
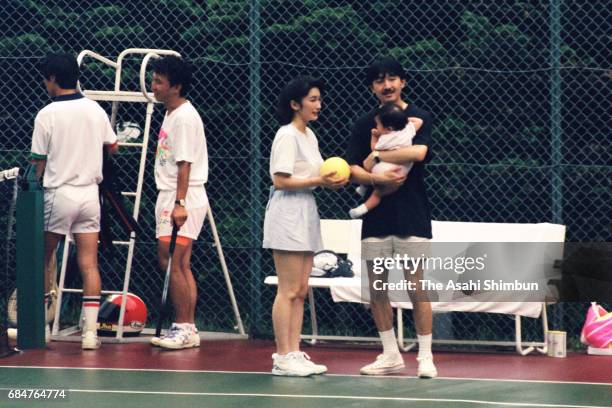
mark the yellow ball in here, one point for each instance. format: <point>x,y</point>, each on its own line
<point>337,164</point>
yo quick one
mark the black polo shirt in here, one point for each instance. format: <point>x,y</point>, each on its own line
<point>405,212</point>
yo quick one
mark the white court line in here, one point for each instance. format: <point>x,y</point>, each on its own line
<point>326,375</point>
<point>343,397</point>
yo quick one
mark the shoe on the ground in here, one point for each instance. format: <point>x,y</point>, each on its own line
<point>179,338</point>
<point>90,341</point>
<point>11,333</point>
<point>196,337</point>
<point>426,368</point>
<point>290,365</point>
<point>384,364</point>
<point>155,341</point>
<point>306,361</point>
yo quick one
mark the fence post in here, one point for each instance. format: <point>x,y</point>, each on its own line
<point>255,176</point>
<point>555,111</point>
<point>555,128</point>
<point>30,264</point>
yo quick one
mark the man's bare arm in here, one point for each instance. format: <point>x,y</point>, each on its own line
<point>182,179</point>
<point>389,178</point>
<point>179,214</point>
<point>415,153</point>
<point>40,167</point>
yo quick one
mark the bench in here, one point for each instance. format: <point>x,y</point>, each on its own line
<point>343,236</point>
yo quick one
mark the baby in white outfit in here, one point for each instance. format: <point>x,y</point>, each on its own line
<point>394,130</point>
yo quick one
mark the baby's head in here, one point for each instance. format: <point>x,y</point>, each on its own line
<point>390,118</point>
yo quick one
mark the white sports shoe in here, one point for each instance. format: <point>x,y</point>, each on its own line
<point>195,337</point>
<point>305,360</point>
<point>179,338</point>
<point>11,333</point>
<point>289,365</point>
<point>90,341</point>
<point>426,369</point>
<point>384,364</point>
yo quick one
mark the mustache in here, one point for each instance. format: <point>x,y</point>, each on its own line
<point>388,91</point>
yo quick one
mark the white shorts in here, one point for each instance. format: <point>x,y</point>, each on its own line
<point>197,206</point>
<point>389,246</point>
<point>72,209</point>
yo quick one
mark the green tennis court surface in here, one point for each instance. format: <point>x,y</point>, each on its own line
<point>93,388</point>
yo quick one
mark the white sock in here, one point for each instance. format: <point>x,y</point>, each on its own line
<point>361,190</point>
<point>358,211</point>
<point>389,342</point>
<point>282,357</point>
<point>91,306</point>
<point>424,345</point>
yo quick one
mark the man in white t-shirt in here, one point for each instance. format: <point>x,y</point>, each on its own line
<point>181,170</point>
<point>67,145</point>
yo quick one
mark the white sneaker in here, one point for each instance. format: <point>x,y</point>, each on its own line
<point>90,341</point>
<point>289,365</point>
<point>305,360</point>
<point>11,333</point>
<point>195,337</point>
<point>179,338</point>
<point>384,364</point>
<point>426,369</point>
<point>155,341</point>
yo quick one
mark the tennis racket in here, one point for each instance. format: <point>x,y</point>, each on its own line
<point>163,309</point>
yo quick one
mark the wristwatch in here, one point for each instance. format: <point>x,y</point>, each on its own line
<point>180,202</point>
<point>376,156</point>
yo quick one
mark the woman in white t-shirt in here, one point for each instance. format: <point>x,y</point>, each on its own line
<point>292,225</point>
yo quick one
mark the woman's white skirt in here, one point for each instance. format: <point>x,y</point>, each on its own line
<point>292,221</point>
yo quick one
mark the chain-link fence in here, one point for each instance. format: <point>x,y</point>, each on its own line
<point>520,92</point>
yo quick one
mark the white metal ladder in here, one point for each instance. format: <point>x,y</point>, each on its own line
<point>116,96</point>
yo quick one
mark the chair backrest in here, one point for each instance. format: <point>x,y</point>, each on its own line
<point>453,231</point>
<point>343,237</point>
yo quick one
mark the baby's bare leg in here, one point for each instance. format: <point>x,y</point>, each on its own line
<point>374,199</point>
